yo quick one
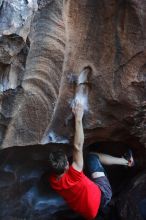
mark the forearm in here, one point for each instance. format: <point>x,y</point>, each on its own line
<point>79,135</point>
<point>78,146</point>
<point>78,138</point>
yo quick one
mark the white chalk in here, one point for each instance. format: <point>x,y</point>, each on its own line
<point>51,137</point>
<point>82,99</point>
<point>83,77</point>
<point>81,95</point>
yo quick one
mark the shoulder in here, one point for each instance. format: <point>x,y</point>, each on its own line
<point>72,168</point>
<point>77,166</point>
<point>74,174</point>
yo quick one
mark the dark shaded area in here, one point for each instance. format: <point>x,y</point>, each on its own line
<point>25,192</point>
<point>7,100</point>
<point>142,207</point>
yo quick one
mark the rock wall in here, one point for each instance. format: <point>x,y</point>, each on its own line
<point>45,46</point>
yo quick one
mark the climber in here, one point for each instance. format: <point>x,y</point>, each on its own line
<point>85,196</point>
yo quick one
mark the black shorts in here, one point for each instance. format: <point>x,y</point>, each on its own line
<point>93,165</point>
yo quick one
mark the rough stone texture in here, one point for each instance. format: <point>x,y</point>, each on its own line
<point>13,52</point>
<point>131,202</point>
<point>44,46</point>
<point>16,16</point>
<point>115,51</point>
<point>41,79</point>
<point>61,42</point>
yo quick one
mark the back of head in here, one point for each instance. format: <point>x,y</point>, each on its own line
<point>58,161</point>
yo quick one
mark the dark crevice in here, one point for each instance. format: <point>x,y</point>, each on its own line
<point>28,175</point>
<point>128,61</point>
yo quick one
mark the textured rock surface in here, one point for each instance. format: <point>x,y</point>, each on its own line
<point>16,17</point>
<point>44,46</point>
<point>131,202</point>
<point>41,78</point>
<point>60,43</point>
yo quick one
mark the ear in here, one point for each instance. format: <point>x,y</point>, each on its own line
<point>67,166</point>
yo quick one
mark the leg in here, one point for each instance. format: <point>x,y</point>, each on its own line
<point>97,174</point>
<point>110,160</point>
<point>93,165</point>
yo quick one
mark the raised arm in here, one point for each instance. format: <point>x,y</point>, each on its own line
<point>78,138</point>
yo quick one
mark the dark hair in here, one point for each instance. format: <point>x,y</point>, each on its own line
<point>57,161</point>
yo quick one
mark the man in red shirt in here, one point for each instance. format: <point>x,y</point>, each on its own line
<point>83,195</point>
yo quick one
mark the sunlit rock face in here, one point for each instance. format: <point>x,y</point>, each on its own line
<point>45,42</point>
<point>16,16</point>
<point>44,48</point>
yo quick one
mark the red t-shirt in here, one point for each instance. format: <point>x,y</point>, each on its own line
<point>81,194</point>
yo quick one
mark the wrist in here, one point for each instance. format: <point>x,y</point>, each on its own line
<point>78,120</point>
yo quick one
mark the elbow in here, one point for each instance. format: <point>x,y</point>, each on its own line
<point>78,146</point>
<point>80,143</point>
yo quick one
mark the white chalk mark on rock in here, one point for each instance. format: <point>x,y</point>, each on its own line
<point>51,137</point>
<point>81,94</point>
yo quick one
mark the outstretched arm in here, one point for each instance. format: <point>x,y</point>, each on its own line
<point>78,138</point>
